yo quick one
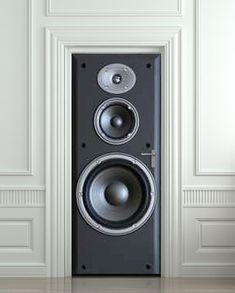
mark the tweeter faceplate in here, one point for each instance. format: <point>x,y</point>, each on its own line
<point>116,78</point>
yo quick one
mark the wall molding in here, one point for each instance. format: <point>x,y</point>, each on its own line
<point>110,13</point>
<point>29,171</point>
<point>22,246</point>
<point>22,197</point>
<point>208,269</point>
<point>61,43</point>
<point>199,170</point>
<point>25,269</point>
<point>208,240</point>
<point>22,251</point>
<point>208,197</point>
<point>213,222</point>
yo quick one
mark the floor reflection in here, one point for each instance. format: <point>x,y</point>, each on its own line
<point>116,285</point>
<point>103,285</point>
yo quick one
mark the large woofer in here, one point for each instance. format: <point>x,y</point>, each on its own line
<point>116,78</point>
<point>116,194</point>
<point>116,121</point>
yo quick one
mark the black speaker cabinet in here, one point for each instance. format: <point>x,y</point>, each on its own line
<point>116,164</point>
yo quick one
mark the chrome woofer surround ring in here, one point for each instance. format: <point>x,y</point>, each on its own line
<point>80,202</point>
<point>97,116</point>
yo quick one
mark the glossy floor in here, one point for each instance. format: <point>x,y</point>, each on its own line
<point>117,285</point>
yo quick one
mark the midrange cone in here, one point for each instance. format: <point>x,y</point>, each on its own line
<point>116,121</point>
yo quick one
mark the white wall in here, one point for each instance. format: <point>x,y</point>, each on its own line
<point>209,144</point>
<point>206,232</point>
<point>22,156</point>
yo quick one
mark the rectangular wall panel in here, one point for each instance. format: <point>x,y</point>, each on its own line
<point>113,8</point>
<point>216,91</point>
<point>15,83</point>
<point>208,241</point>
<point>218,234</point>
<point>22,240</point>
<point>15,233</point>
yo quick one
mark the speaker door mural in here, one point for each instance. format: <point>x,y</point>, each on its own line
<point>116,164</point>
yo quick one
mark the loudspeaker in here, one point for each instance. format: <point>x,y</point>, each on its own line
<point>116,132</point>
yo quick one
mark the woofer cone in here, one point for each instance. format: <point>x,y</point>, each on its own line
<point>116,194</point>
<point>116,121</point>
<point>116,78</point>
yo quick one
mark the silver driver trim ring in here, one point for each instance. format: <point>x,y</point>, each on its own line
<point>79,194</point>
<point>98,114</point>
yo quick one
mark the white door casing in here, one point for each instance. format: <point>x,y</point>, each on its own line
<point>61,43</point>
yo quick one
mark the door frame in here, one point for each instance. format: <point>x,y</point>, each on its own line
<point>61,43</point>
